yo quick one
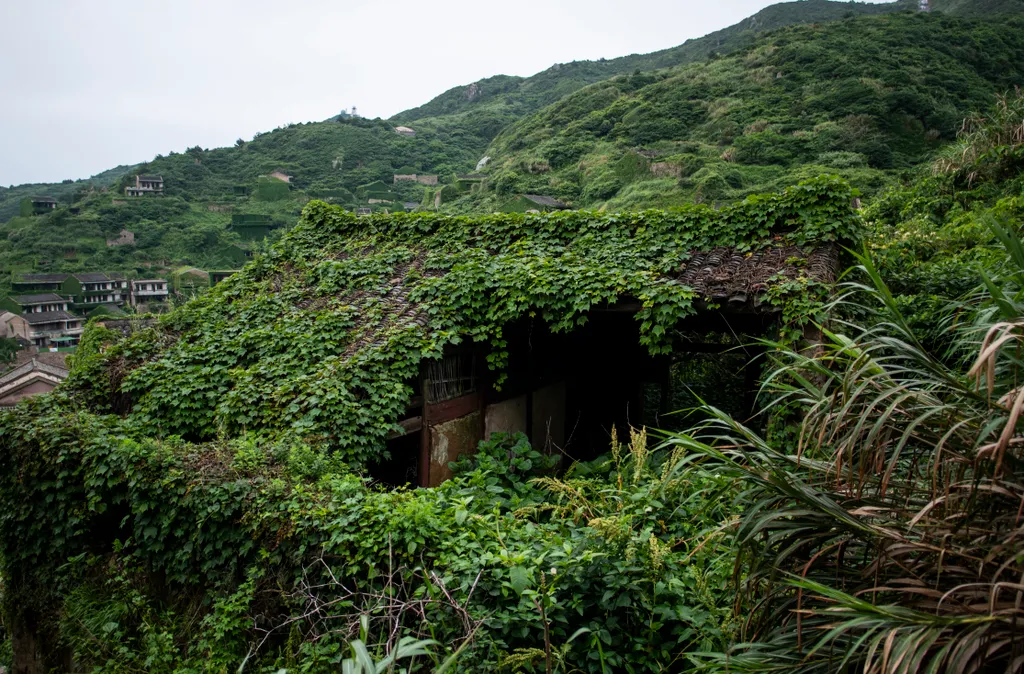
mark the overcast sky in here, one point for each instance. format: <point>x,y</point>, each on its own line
<point>90,84</point>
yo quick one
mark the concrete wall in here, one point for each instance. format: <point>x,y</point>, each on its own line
<point>448,441</point>
<point>16,326</point>
<point>35,388</point>
<point>508,416</point>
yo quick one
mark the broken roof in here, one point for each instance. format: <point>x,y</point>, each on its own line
<point>151,179</point>
<point>738,281</point>
<point>43,200</point>
<point>321,336</point>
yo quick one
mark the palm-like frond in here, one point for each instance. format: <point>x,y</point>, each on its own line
<point>891,537</point>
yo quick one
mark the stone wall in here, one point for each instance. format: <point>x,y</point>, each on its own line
<point>450,440</point>
<point>125,238</point>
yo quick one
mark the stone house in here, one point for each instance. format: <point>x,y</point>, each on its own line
<point>37,205</point>
<point>553,392</point>
<point>417,178</point>
<point>124,238</point>
<point>31,375</point>
<point>148,291</point>
<point>145,185</point>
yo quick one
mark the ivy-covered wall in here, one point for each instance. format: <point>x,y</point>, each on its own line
<point>320,336</point>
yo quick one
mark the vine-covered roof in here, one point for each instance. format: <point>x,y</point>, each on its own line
<point>318,338</point>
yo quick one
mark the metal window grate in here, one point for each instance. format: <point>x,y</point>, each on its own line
<point>451,377</point>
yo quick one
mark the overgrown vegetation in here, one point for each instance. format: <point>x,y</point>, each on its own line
<point>860,98</point>
<point>192,499</point>
<point>220,450</point>
<point>872,90</point>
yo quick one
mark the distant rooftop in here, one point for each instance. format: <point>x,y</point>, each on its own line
<point>43,200</point>
<point>37,299</point>
<point>43,278</point>
<point>155,179</point>
<point>49,317</point>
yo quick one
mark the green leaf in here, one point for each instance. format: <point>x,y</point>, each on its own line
<point>519,578</point>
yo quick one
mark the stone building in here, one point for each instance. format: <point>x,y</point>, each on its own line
<point>31,375</point>
<point>144,185</point>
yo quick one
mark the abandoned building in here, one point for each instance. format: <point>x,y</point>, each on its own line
<point>252,226</point>
<point>145,185</point>
<point>566,390</point>
<point>124,238</point>
<point>470,182</point>
<point>81,291</point>
<point>31,374</point>
<point>280,175</point>
<point>100,288</point>
<point>43,329</point>
<point>148,291</point>
<point>37,205</point>
<point>34,304</point>
<point>218,275</point>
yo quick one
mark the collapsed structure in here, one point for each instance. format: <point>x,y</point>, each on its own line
<point>423,334</point>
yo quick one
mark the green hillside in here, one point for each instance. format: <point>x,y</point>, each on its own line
<point>863,97</point>
<point>188,225</point>
<point>487,106</point>
<point>10,197</point>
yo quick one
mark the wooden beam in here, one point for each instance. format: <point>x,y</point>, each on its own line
<point>438,413</point>
<point>410,425</point>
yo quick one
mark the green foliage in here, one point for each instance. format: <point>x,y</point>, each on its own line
<point>929,237</point>
<point>486,107</point>
<point>307,341</point>
<point>213,451</point>
<point>8,350</point>
<point>859,95</point>
<point>600,553</point>
<point>867,545</point>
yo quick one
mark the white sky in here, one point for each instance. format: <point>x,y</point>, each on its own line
<point>90,84</point>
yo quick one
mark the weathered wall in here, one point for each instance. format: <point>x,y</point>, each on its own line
<point>448,441</point>
<point>32,389</point>
<point>508,416</point>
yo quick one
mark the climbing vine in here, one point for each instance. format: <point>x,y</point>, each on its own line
<point>321,336</point>
<point>210,451</point>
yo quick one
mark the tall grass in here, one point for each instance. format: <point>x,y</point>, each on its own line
<point>889,536</point>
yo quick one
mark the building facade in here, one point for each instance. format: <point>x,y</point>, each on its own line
<point>148,291</point>
<point>145,185</point>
